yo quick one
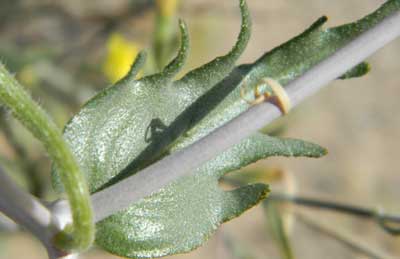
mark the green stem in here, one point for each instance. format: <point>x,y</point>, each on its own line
<point>78,236</point>
<point>164,35</point>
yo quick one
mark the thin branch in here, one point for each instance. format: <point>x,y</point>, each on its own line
<point>386,221</point>
<point>10,137</point>
<point>383,219</point>
<point>164,33</point>
<point>29,167</point>
<point>343,238</point>
<point>24,209</point>
<point>158,175</point>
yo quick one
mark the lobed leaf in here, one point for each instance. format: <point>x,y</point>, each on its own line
<point>136,122</point>
<point>182,216</point>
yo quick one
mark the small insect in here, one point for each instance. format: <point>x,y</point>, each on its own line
<point>278,96</point>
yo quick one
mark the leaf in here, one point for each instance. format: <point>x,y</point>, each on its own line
<point>136,122</point>
<point>182,216</point>
<point>127,121</point>
<point>284,64</point>
<point>357,71</point>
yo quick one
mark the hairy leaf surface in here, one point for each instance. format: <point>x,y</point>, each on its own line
<point>181,217</point>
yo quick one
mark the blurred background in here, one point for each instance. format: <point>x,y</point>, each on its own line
<point>65,51</point>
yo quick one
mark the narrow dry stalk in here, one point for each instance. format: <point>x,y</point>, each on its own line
<point>344,238</point>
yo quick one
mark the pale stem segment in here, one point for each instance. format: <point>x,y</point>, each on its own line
<point>27,211</point>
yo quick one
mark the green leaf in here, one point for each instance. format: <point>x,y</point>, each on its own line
<point>183,216</point>
<point>284,64</point>
<point>358,71</point>
<point>123,128</point>
<point>136,122</point>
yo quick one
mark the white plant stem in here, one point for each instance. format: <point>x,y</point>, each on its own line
<point>160,174</point>
<point>27,211</point>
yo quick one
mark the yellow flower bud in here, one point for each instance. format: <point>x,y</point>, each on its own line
<point>120,55</point>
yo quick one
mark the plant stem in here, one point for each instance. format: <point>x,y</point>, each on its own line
<point>338,207</point>
<point>80,235</point>
<point>279,229</point>
<point>382,219</point>
<point>164,34</point>
<point>29,167</point>
<point>183,162</point>
<point>24,209</point>
<point>385,221</point>
<point>343,238</point>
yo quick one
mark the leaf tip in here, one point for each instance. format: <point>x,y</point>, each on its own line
<point>315,151</point>
<point>179,61</point>
<point>242,199</point>
<point>318,23</point>
<point>324,152</point>
<point>221,66</point>
<point>182,24</point>
<point>136,66</point>
<point>245,32</point>
<point>357,71</point>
